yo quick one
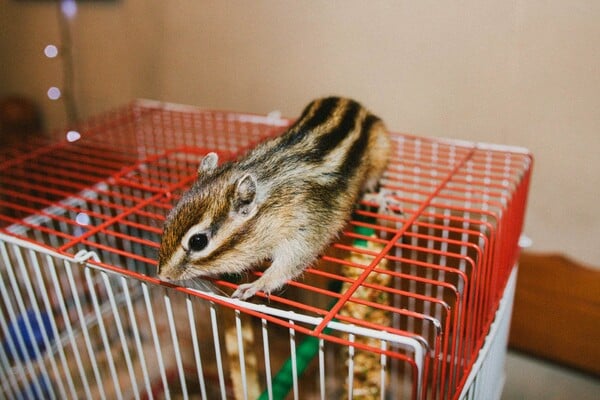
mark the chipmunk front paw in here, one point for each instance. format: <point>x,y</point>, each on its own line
<point>245,291</point>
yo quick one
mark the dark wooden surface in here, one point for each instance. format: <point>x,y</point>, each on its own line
<point>556,313</point>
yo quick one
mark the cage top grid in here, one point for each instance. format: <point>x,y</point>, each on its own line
<point>431,267</point>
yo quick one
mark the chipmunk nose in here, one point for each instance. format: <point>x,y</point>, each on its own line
<point>168,273</point>
<point>162,270</point>
<point>164,277</point>
<point>161,273</point>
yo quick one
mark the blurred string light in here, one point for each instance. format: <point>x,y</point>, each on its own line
<point>66,11</point>
<point>51,51</point>
<point>83,219</point>
<point>73,136</point>
<point>68,8</point>
<point>54,93</point>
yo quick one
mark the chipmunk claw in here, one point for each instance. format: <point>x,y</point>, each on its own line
<point>245,291</point>
<point>388,205</point>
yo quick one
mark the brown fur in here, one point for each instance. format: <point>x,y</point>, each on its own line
<point>285,201</point>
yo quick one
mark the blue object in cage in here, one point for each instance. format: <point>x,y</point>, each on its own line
<point>19,328</point>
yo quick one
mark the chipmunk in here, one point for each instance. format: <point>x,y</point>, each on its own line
<point>285,201</point>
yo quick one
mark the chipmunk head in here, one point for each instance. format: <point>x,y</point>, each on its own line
<point>202,224</point>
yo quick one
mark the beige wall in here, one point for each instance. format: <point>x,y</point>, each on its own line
<point>516,72</point>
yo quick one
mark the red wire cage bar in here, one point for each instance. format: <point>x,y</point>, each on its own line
<point>409,292</point>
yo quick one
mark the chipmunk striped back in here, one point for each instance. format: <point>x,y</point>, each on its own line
<point>285,201</point>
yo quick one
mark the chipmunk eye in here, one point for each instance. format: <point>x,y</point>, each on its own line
<point>198,242</point>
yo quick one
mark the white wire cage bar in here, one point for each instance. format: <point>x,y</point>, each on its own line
<point>411,302</point>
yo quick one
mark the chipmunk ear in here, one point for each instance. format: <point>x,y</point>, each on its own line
<point>208,163</point>
<point>245,194</point>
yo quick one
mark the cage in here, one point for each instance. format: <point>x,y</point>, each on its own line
<point>412,302</point>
